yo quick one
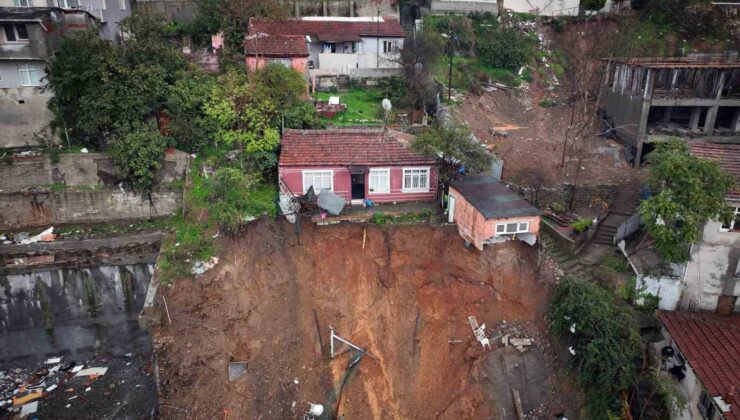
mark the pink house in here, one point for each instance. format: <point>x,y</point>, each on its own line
<point>288,50</point>
<point>356,164</point>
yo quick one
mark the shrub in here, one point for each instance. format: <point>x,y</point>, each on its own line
<point>581,225</point>
<point>505,48</point>
<point>379,218</point>
<point>138,152</point>
<point>547,103</point>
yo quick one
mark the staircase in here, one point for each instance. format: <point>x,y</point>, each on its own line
<point>624,206</point>
<point>569,263</point>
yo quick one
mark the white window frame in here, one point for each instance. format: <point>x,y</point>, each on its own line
<point>735,215</point>
<point>390,46</point>
<point>122,4</point>
<point>64,4</point>
<point>18,39</point>
<point>519,228</point>
<point>406,189</point>
<point>313,173</point>
<point>25,68</point>
<point>387,188</point>
<point>19,3</point>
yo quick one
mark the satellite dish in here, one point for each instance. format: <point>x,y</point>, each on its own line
<point>387,104</point>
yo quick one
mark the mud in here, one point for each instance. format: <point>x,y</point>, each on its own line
<point>403,297</point>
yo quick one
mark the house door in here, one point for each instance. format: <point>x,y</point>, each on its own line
<point>450,208</point>
<point>358,186</point>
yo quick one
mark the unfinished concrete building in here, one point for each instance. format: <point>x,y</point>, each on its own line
<point>647,100</point>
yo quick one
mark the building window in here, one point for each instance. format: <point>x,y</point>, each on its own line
<point>23,3</point>
<point>330,48</point>
<point>390,46</point>
<point>68,4</point>
<point>320,180</point>
<point>415,180</point>
<point>511,228</point>
<point>380,181</point>
<point>732,225</point>
<point>285,62</point>
<point>122,4</point>
<point>15,32</point>
<point>30,75</point>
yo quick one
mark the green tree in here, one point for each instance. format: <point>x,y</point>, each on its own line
<point>505,48</point>
<point>185,105</point>
<point>241,114</point>
<point>690,191</point>
<point>138,152</point>
<point>303,116</point>
<point>454,147</point>
<point>605,338</point>
<point>234,198</point>
<point>284,86</point>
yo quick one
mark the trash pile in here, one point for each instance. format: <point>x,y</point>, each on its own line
<point>58,384</point>
<point>24,238</point>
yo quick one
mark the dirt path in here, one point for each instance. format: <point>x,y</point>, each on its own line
<point>402,297</point>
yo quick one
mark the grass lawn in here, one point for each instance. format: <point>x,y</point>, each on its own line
<point>363,106</point>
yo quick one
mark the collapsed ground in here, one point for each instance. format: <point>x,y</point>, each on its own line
<point>403,296</point>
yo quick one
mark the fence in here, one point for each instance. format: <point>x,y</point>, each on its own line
<point>627,228</point>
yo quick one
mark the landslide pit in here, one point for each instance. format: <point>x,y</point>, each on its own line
<point>403,298</point>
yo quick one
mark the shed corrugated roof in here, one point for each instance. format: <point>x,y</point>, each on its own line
<point>329,30</point>
<point>492,199</point>
<point>728,157</point>
<point>348,146</point>
<point>711,345</point>
<point>34,14</point>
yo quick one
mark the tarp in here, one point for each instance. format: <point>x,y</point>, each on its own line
<point>330,202</point>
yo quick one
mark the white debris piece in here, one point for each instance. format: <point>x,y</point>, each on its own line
<point>53,360</point>
<point>520,342</point>
<point>479,332</point>
<point>201,267</point>
<point>77,368</point>
<point>29,408</point>
<point>92,371</point>
<point>571,350</point>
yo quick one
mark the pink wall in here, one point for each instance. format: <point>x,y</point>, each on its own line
<point>343,184</point>
<point>296,63</point>
<point>474,227</point>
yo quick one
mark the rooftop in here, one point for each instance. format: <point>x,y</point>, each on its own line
<point>492,198</point>
<point>330,30</point>
<point>348,146</point>
<point>277,46</point>
<point>711,345</point>
<point>726,154</point>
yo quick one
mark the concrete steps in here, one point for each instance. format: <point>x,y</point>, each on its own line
<point>569,263</point>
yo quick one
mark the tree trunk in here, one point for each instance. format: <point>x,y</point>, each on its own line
<point>500,7</point>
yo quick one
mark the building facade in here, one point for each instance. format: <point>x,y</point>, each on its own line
<point>486,212</point>
<point>341,46</point>
<point>29,36</point>
<point>356,164</point>
<point>648,100</point>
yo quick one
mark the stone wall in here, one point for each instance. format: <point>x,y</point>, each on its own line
<point>23,113</point>
<point>583,197</point>
<point>40,208</point>
<point>76,169</point>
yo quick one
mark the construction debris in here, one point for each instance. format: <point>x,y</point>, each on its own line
<point>479,332</point>
<point>237,370</point>
<point>201,267</point>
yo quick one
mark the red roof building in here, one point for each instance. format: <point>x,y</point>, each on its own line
<point>289,50</point>
<point>330,30</point>
<point>710,345</point>
<point>728,157</point>
<point>356,164</point>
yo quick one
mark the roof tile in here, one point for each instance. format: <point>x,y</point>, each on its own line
<point>329,30</point>
<point>726,154</point>
<point>711,345</point>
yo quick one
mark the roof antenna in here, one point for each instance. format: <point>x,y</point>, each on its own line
<point>386,107</point>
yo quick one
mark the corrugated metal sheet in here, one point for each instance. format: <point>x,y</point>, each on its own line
<point>330,202</point>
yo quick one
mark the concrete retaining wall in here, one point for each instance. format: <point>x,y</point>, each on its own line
<point>23,113</point>
<point>38,208</point>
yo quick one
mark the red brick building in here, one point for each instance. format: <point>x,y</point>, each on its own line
<point>486,212</point>
<point>356,164</point>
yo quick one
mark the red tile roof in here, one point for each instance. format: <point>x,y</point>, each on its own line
<point>711,345</point>
<point>329,30</point>
<point>728,157</point>
<point>348,146</point>
<point>277,46</point>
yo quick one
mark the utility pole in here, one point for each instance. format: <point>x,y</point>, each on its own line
<point>449,73</point>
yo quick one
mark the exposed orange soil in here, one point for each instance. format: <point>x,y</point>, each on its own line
<point>257,306</point>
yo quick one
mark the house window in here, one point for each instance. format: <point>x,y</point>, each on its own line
<point>390,46</point>
<point>320,180</point>
<point>330,48</point>
<point>22,3</point>
<point>68,4</point>
<point>732,225</point>
<point>15,32</point>
<point>415,180</point>
<point>285,62</point>
<point>122,4</point>
<point>511,228</point>
<point>30,75</point>
<point>380,181</point>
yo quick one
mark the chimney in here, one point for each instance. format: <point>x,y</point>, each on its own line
<point>730,396</point>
